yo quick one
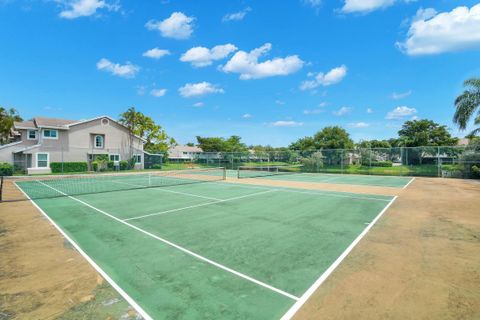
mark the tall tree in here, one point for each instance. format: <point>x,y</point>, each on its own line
<point>157,140</point>
<point>218,144</point>
<point>416,133</point>
<point>7,118</point>
<point>468,105</point>
<point>333,137</point>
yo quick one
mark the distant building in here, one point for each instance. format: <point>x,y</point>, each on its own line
<point>184,153</point>
<point>463,142</point>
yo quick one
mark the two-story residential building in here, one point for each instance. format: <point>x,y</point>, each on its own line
<point>42,141</point>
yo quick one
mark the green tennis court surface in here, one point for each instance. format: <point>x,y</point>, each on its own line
<point>211,250</point>
<point>382,181</point>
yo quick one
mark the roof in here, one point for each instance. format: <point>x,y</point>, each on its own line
<point>62,124</point>
<point>41,122</point>
<point>186,149</point>
<point>463,142</point>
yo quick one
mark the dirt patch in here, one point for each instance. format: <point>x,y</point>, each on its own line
<point>41,275</point>
<point>420,261</point>
<point>359,189</point>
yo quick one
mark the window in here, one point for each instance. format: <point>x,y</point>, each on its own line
<point>137,158</point>
<point>42,160</point>
<point>114,157</point>
<point>50,134</point>
<point>98,142</point>
<point>32,135</point>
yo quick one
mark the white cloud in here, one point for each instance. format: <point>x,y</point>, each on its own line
<point>342,111</point>
<point>198,104</point>
<point>236,16</point>
<point>156,53</point>
<point>198,89</point>
<point>365,6</point>
<point>177,26</point>
<point>287,124</point>
<point>332,77</point>
<point>84,8</point>
<point>369,110</point>
<point>398,96</point>
<point>247,65</point>
<point>141,90</point>
<point>280,102</point>
<point>400,113</point>
<point>247,116</point>
<point>359,125</point>
<point>158,92</point>
<point>202,57</point>
<point>127,70</point>
<point>432,33</point>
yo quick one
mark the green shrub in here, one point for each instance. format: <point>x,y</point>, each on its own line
<point>68,167</point>
<point>124,165</point>
<point>6,169</point>
<point>476,171</point>
<point>156,166</point>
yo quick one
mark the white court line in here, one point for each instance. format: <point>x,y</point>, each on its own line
<point>291,312</point>
<point>176,246</point>
<point>305,192</point>
<point>408,183</point>
<point>160,188</point>
<point>125,295</point>
<point>197,205</point>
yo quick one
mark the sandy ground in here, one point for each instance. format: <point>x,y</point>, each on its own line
<point>421,261</point>
<point>41,275</point>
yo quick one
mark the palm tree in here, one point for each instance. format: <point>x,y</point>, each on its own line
<point>467,104</point>
<point>7,118</point>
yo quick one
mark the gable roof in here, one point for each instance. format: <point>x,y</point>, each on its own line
<point>62,124</point>
<point>181,148</point>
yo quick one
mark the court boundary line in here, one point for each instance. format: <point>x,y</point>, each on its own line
<point>324,276</point>
<point>95,266</point>
<point>320,193</point>
<point>185,250</point>
<point>196,205</point>
<point>405,186</point>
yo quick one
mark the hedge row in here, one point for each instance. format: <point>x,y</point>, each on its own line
<point>377,164</point>
<point>97,165</point>
<point>68,167</point>
<point>6,169</point>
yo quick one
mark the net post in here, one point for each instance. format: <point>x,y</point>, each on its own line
<point>224,173</point>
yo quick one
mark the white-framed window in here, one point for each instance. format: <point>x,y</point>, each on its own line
<point>32,135</point>
<point>43,159</point>
<point>114,157</point>
<point>50,134</point>
<point>137,158</point>
<point>98,141</point>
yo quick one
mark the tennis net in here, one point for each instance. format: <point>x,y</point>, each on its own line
<point>52,186</point>
<point>265,171</point>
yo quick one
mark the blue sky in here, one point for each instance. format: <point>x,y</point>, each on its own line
<point>269,71</point>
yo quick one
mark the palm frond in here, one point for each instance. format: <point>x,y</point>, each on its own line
<point>474,83</point>
<point>466,104</point>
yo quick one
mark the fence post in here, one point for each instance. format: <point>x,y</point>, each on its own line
<point>438,162</point>
<point>62,158</point>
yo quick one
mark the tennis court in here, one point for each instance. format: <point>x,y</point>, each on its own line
<point>290,173</point>
<point>175,248</point>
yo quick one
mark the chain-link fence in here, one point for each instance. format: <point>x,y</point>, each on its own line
<point>456,161</point>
